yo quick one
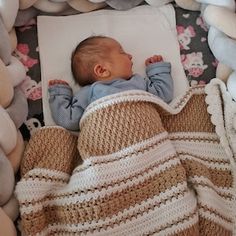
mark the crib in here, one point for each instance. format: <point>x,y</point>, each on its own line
<point>163,169</point>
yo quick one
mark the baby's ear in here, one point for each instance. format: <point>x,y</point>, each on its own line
<point>101,71</point>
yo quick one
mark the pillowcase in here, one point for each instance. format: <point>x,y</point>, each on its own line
<point>142,31</point>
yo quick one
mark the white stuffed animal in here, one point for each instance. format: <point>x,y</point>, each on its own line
<point>221,19</point>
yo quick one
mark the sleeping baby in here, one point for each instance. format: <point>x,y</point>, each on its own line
<point>101,66</point>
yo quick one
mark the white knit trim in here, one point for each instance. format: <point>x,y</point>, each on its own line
<point>214,90</point>
<point>160,216</point>
<point>229,117</point>
<point>218,98</point>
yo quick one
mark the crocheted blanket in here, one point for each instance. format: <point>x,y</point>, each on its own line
<point>146,169</point>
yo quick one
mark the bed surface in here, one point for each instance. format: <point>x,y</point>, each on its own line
<point>198,61</point>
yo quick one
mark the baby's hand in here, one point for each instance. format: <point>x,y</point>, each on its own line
<point>57,81</point>
<point>153,59</point>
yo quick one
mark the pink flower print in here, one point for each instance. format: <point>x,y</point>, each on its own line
<point>184,36</point>
<point>195,71</point>
<point>31,89</point>
<point>21,52</point>
<point>23,48</point>
<point>30,62</point>
<point>201,23</point>
<point>193,63</point>
<point>215,63</point>
<point>202,82</point>
<point>35,94</point>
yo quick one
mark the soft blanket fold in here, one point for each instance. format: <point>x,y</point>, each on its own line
<point>148,169</point>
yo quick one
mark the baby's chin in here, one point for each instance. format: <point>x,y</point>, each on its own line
<point>129,75</point>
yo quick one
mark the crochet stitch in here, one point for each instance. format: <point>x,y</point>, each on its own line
<point>147,170</point>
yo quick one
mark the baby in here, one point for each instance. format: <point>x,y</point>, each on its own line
<point>101,66</point>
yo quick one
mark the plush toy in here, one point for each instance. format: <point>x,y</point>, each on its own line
<point>158,3</point>
<point>189,4</point>
<point>86,6</point>
<point>222,39</point>
<point>221,19</point>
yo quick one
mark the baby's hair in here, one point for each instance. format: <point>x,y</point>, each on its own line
<point>85,56</point>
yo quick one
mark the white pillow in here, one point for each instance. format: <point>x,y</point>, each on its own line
<point>142,31</point>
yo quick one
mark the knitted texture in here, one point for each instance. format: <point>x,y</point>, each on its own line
<point>148,169</point>
<point>51,143</point>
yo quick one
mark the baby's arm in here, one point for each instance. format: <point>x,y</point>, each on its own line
<point>65,108</point>
<point>160,80</point>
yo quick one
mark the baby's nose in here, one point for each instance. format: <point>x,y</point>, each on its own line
<point>130,56</point>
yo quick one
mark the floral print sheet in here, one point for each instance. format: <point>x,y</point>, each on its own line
<point>198,61</point>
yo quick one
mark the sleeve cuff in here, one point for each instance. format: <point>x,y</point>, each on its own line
<point>60,89</point>
<point>158,68</point>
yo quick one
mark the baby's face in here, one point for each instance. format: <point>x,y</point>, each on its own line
<point>121,62</point>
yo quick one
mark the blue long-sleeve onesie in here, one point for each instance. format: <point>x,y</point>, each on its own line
<point>67,109</point>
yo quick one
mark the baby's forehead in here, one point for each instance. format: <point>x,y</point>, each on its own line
<point>112,43</point>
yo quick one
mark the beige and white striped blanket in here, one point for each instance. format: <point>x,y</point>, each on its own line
<point>148,169</point>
